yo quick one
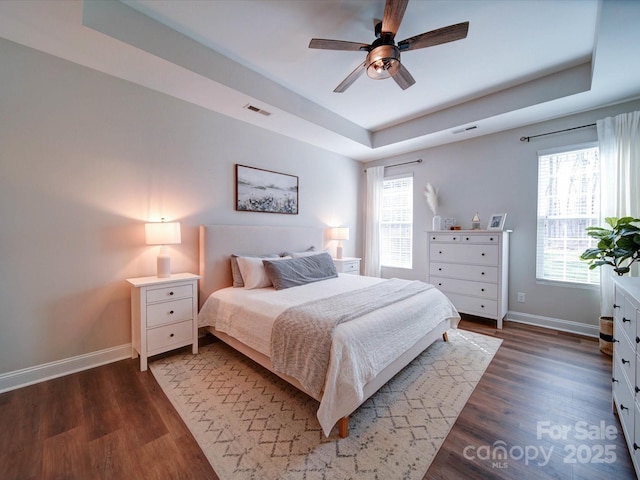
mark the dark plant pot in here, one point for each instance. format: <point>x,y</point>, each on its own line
<point>606,335</point>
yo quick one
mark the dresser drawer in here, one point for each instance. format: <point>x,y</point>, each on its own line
<point>162,338</point>
<point>169,312</point>
<point>445,237</point>
<point>466,287</point>
<point>625,354</point>
<point>626,324</point>
<point>459,253</point>
<point>169,293</point>
<point>473,305</point>
<point>484,238</point>
<point>623,398</point>
<point>466,272</point>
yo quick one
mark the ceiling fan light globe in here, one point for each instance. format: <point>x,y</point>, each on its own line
<point>383,62</point>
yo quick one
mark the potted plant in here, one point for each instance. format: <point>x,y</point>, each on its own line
<point>619,247</point>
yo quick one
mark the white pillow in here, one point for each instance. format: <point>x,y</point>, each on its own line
<point>308,253</point>
<point>253,272</point>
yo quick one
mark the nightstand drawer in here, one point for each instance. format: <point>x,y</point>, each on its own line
<point>162,338</point>
<point>169,293</point>
<point>351,267</point>
<point>169,312</point>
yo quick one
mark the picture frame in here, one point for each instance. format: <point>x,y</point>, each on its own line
<point>496,221</point>
<point>259,190</point>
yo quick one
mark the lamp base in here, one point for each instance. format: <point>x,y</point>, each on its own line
<point>339,251</point>
<point>164,266</point>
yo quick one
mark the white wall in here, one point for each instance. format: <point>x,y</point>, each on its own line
<point>85,160</point>
<point>498,173</point>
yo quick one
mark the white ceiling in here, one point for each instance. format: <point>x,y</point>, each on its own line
<point>522,62</point>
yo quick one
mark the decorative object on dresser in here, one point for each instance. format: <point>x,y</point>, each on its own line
<point>496,221</point>
<point>626,362</point>
<point>471,267</point>
<point>163,233</point>
<point>259,190</point>
<point>349,265</point>
<point>339,233</point>
<point>431,195</point>
<point>475,222</point>
<point>164,314</point>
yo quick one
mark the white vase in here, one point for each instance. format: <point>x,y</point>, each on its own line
<point>437,222</point>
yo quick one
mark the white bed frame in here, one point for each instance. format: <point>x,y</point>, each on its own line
<point>218,242</point>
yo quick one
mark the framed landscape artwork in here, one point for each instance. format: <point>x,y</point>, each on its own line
<point>259,190</point>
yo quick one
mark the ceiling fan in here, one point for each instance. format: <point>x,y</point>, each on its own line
<point>383,57</point>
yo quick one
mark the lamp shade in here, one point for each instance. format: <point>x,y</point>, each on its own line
<point>162,233</point>
<point>340,233</point>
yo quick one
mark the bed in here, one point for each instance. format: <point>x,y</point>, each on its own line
<point>368,346</point>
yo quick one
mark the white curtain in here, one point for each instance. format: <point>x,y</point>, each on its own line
<point>619,139</point>
<point>375,179</point>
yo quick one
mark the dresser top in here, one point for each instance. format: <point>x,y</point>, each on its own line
<point>630,284</point>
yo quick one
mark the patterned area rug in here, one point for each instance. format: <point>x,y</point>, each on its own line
<point>250,424</point>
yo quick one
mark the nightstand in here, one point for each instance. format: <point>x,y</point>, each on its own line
<point>347,265</point>
<point>164,314</point>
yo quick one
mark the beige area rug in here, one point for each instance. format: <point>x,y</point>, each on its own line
<point>250,424</point>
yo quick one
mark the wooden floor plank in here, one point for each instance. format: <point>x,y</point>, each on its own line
<point>115,422</point>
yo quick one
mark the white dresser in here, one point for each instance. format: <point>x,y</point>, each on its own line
<point>471,267</point>
<point>164,314</point>
<point>626,361</point>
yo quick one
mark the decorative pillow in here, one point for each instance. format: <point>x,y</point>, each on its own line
<point>300,271</point>
<point>309,251</point>
<point>235,270</point>
<point>253,273</point>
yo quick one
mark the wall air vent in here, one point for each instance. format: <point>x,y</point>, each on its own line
<point>465,129</point>
<point>253,108</point>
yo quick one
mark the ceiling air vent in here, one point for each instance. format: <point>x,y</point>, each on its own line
<point>253,108</point>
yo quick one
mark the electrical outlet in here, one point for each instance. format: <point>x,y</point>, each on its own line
<point>521,297</point>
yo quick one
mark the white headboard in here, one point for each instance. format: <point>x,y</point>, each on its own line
<point>218,242</point>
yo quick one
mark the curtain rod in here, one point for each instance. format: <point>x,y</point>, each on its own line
<point>522,139</point>
<point>404,163</point>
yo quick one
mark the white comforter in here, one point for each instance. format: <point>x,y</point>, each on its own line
<point>361,348</point>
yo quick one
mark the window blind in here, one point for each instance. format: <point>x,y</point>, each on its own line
<point>396,224</point>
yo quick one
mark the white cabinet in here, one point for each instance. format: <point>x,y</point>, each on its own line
<point>164,314</point>
<point>347,265</point>
<point>626,362</point>
<point>471,267</point>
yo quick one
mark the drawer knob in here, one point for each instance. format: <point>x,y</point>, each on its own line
<point>622,407</point>
<point>483,254</point>
<point>482,273</point>
<point>170,312</point>
<point>635,446</point>
<point>613,380</point>
<point>637,340</point>
<point>625,361</point>
<point>637,389</point>
<point>491,239</point>
<point>467,238</point>
<point>170,293</point>
<point>440,252</point>
<point>171,335</point>
<point>616,306</point>
<point>454,238</point>
<point>439,284</point>
<point>482,289</point>
<point>481,306</point>
<point>440,269</point>
<point>625,320</point>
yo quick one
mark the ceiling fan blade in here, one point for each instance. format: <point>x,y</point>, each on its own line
<point>435,37</point>
<point>393,13</point>
<point>352,77</point>
<point>403,78</point>
<point>337,45</point>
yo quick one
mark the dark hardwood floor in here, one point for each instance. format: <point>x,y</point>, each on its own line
<point>114,422</point>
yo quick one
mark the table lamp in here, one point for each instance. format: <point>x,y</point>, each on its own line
<point>339,233</point>
<point>161,233</point>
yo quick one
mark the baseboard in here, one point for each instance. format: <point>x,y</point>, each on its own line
<point>554,323</point>
<point>59,368</point>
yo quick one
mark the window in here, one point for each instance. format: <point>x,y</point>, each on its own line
<point>568,203</point>
<point>396,225</point>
